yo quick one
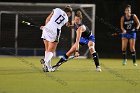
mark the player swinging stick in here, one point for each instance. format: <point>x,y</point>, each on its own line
<point>84,37</point>
<point>129,25</point>
<point>51,33</point>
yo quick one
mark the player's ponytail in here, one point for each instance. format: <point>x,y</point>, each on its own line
<point>128,6</point>
<point>68,9</point>
<point>79,14</point>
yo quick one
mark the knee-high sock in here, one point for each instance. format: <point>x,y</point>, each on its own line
<point>62,60</point>
<point>134,56</point>
<point>48,57</point>
<point>96,59</point>
<point>124,55</point>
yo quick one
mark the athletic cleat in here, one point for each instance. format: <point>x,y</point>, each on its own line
<point>98,69</point>
<point>42,61</point>
<point>55,68</point>
<point>51,70</point>
<point>45,68</point>
<point>124,62</point>
<point>135,64</point>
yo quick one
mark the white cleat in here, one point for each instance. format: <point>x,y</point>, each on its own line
<point>46,69</point>
<point>98,69</point>
<point>135,64</point>
<point>51,70</point>
<point>124,62</point>
<point>55,68</point>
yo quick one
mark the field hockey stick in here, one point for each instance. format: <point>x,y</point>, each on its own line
<point>70,58</point>
<point>118,33</point>
<point>29,24</point>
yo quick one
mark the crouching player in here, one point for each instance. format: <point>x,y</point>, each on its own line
<point>84,37</point>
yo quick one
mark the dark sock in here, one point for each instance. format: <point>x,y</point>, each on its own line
<point>66,57</point>
<point>96,59</point>
<point>134,56</point>
<point>124,55</point>
<point>62,60</point>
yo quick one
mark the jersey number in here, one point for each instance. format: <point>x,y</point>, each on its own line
<point>60,19</point>
<point>129,26</point>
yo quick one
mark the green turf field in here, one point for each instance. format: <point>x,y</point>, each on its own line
<point>24,75</point>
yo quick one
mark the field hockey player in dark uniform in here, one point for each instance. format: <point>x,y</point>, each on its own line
<point>83,37</point>
<point>129,25</point>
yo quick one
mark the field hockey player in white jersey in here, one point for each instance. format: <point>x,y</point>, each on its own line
<point>51,33</point>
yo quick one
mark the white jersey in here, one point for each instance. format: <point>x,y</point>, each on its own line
<point>58,19</point>
<point>52,30</point>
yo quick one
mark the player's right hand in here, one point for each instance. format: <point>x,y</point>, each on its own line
<point>77,54</point>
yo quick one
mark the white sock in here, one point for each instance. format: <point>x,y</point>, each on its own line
<point>49,63</point>
<point>48,57</point>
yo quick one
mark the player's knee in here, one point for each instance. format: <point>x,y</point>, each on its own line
<point>91,48</point>
<point>51,49</point>
<point>132,49</point>
<point>90,44</point>
<point>123,48</point>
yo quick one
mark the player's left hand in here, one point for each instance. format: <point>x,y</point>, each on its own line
<point>41,27</point>
<point>68,24</point>
<point>77,54</point>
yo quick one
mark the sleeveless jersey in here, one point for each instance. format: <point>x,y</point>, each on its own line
<point>86,33</point>
<point>129,23</point>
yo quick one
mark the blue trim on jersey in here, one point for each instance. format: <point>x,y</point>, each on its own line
<point>131,35</point>
<point>84,41</point>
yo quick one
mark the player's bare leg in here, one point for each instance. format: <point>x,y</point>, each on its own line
<point>124,53</point>
<point>45,69</point>
<point>91,46</point>
<point>51,47</point>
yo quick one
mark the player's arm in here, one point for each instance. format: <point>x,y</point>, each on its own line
<point>121,24</point>
<point>71,25</point>
<point>137,22</point>
<point>47,20</point>
<point>79,33</point>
